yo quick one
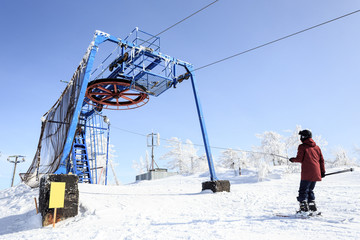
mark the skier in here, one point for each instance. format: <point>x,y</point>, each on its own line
<point>312,170</point>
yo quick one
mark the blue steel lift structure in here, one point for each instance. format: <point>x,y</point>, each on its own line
<point>124,79</point>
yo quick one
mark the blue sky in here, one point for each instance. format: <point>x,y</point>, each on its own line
<point>310,79</point>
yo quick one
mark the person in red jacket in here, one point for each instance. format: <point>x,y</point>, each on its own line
<point>312,170</point>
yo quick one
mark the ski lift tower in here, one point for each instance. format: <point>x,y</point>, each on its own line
<point>127,72</point>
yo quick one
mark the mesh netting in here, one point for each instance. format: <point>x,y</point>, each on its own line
<point>55,127</point>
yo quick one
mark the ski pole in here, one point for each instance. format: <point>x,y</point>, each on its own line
<point>346,170</point>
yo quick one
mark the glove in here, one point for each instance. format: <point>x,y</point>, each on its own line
<point>322,174</point>
<point>291,160</point>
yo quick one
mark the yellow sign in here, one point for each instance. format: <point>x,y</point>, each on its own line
<point>57,194</point>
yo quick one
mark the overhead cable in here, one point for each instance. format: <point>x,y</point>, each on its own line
<point>277,40</point>
<point>182,20</point>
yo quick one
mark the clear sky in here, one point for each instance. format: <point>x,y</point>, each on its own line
<point>311,79</point>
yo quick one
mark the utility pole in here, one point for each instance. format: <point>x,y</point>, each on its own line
<point>15,159</point>
<point>151,143</point>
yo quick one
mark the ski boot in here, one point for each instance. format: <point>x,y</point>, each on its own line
<point>304,208</point>
<point>313,209</point>
<point>312,206</point>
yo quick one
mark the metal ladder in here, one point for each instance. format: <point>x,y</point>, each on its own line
<point>81,163</point>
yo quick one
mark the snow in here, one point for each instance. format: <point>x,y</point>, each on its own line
<point>175,208</point>
<point>101,33</point>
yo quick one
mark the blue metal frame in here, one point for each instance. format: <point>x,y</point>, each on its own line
<point>107,154</point>
<point>203,128</point>
<point>147,67</point>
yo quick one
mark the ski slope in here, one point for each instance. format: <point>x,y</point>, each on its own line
<point>175,208</point>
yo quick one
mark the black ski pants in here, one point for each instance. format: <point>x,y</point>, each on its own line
<point>306,191</point>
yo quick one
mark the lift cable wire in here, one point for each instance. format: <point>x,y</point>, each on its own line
<point>124,130</point>
<point>277,40</point>
<point>182,20</point>
<point>200,145</point>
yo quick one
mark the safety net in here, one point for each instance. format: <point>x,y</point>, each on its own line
<point>55,128</point>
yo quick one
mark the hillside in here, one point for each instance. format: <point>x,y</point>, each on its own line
<point>175,208</point>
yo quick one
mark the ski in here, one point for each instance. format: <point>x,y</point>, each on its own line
<point>303,215</point>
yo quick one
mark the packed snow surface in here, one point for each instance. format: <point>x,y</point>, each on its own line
<point>176,208</point>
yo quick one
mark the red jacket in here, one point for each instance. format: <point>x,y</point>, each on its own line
<point>311,159</point>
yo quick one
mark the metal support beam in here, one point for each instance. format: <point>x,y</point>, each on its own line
<point>98,39</point>
<point>203,128</point>
<point>107,153</point>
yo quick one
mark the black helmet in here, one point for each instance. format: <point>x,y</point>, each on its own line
<point>304,134</point>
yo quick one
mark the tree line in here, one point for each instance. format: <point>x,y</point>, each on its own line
<point>274,150</point>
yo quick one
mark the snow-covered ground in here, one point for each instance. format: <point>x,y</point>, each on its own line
<point>175,208</point>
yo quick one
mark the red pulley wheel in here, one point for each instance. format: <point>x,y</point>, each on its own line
<point>116,94</point>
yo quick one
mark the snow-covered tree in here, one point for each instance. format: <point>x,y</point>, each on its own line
<point>244,160</point>
<point>274,150</point>
<point>263,168</point>
<point>234,159</point>
<point>321,142</point>
<point>229,158</point>
<point>293,141</point>
<point>147,161</point>
<point>111,161</point>
<point>200,164</point>
<point>273,147</point>
<point>190,155</point>
<point>260,163</point>
<point>342,158</point>
<point>181,157</point>
<point>175,156</point>
<point>357,151</point>
<point>140,166</point>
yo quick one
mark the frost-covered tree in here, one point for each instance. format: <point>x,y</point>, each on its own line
<point>342,158</point>
<point>293,141</point>
<point>147,161</point>
<point>292,144</point>
<point>190,155</point>
<point>357,151</point>
<point>263,168</point>
<point>175,156</point>
<point>234,159</point>
<point>273,147</point>
<point>180,155</point>
<point>111,161</point>
<point>260,163</point>
<point>140,166</point>
<point>244,160</point>
<point>321,142</point>
<point>274,151</point>
<point>229,158</point>
<point>200,164</point>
